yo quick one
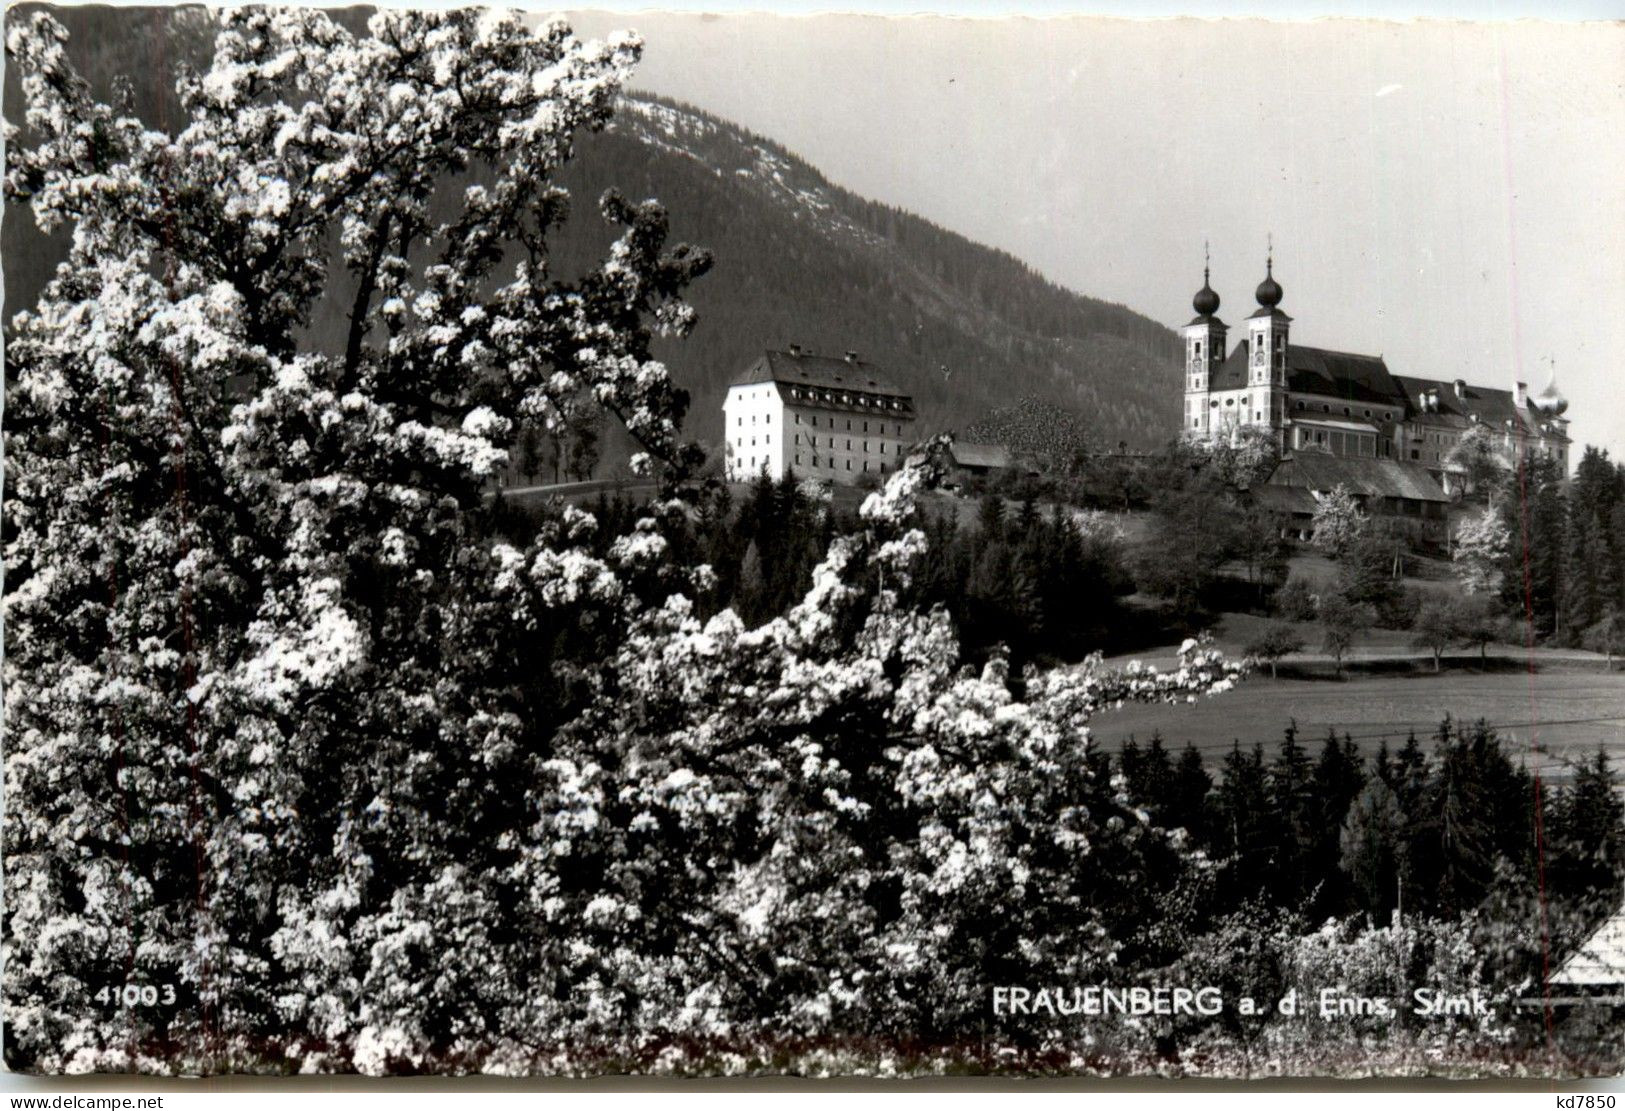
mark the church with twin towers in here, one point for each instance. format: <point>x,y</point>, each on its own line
<point>1315,401</point>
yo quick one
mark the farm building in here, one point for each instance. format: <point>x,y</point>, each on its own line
<point>1403,497</point>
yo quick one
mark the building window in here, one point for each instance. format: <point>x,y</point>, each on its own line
<point>832,441</point>
<point>798,460</point>
<point>768,419</point>
<point>1196,424</point>
<point>866,446</point>
<point>741,422</point>
<point>849,426</point>
<point>767,440</point>
<point>849,445</point>
<point>883,447</point>
<point>849,464</point>
<point>866,464</point>
<point>866,426</point>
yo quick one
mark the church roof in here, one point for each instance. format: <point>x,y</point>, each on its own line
<point>822,371</point>
<point>1318,371</point>
<point>1372,478</point>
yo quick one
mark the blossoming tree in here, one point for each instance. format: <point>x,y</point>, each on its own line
<point>309,767</point>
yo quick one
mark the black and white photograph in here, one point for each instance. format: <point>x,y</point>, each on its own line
<point>705,546</point>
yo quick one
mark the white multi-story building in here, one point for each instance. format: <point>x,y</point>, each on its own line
<point>817,416</point>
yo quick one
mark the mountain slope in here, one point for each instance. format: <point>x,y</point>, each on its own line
<point>798,260</point>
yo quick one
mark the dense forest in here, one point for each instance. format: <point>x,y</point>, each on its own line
<point>1562,568</point>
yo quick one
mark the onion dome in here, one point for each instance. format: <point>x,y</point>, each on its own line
<point>1269,290</point>
<point>1550,402</point>
<point>1206,302</point>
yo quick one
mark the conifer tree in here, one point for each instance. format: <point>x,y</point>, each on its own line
<point>1243,824</point>
<point>1292,807</point>
<point>1382,765</point>
<point>1154,778</point>
<point>1587,835</point>
<point>1453,841</point>
<point>1189,794</point>
<point>1371,849</point>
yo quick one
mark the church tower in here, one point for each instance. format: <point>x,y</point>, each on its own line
<point>1204,351</point>
<point>1267,331</point>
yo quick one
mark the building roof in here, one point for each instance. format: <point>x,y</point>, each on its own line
<point>1341,374</point>
<point>1315,370</point>
<point>822,371</point>
<point>1490,406</point>
<point>1600,961</point>
<point>1316,421</point>
<point>1284,499</point>
<point>981,455</point>
<point>1379,478</point>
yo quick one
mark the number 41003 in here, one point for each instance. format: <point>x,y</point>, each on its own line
<point>137,995</point>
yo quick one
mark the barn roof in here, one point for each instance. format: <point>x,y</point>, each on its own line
<point>1380,478</point>
<point>1600,961</point>
<point>1284,499</point>
<point>980,455</point>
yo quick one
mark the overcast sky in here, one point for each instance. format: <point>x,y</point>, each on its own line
<point>1448,195</point>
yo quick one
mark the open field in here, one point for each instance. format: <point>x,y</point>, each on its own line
<point>1233,632</point>
<point>1552,716</point>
